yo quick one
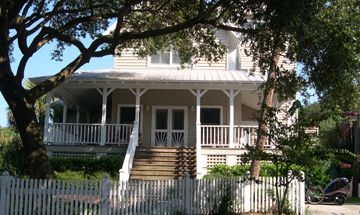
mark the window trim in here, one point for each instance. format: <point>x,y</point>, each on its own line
<point>171,64</point>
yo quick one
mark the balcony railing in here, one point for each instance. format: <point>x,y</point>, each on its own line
<point>219,136</point>
<point>84,133</point>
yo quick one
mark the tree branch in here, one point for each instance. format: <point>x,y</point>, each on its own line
<point>53,33</point>
<point>231,28</point>
<point>15,8</point>
<point>116,38</point>
<point>22,38</point>
<point>26,9</point>
<point>59,77</point>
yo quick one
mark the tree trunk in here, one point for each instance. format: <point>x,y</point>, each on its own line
<point>30,133</point>
<point>266,103</point>
<point>22,107</point>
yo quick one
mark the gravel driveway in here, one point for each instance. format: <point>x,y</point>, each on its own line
<point>331,209</point>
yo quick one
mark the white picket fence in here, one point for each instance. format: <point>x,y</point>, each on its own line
<point>187,196</point>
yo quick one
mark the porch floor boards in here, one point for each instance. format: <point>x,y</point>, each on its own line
<point>163,163</point>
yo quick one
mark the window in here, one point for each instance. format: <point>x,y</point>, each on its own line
<point>127,115</point>
<point>210,116</point>
<point>165,58</point>
<point>161,118</point>
<point>178,119</point>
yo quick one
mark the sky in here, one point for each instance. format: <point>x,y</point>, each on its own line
<point>41,64</point>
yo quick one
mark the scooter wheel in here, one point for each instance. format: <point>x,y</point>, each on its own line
<point>314,195</point>
<point>339,199</point>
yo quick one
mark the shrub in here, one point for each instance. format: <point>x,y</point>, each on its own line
<point>86,166</point>
<point>222,170</point>
<point>13,158</point>
<point>78,175</point>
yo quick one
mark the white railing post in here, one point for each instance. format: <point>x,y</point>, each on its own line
<point>105,194</point>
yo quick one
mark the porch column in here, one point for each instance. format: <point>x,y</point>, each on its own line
<point>138,93</point>
<point>47,116</point>
<point>104,92</point>
<point>64,113</point>
<point>199,165</point>
<point>199,162</point>
<point>231,94</point>
<point>137,105</point>
<point>231,121</point>
<point>103,117</point>
<point>77,114</point>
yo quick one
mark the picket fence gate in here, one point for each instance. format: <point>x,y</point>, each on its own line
<point>187,196</point>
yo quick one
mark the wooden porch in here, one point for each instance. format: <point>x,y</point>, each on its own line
<point>212,136</point>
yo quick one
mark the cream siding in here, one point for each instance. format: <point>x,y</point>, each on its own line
<point>203,64</point>
<point>248,113</point>
<point>245,61</point>
<point>128,60</point>
<point>222,36</point>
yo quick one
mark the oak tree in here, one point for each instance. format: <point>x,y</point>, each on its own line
<point>144,24</point>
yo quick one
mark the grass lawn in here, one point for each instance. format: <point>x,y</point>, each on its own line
<point>353,200</point>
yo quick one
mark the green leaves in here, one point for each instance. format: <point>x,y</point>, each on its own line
<point>328,48</point>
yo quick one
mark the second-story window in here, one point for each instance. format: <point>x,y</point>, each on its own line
<point>165,58</point>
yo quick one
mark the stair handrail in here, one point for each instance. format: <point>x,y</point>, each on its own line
<point>124,172</point>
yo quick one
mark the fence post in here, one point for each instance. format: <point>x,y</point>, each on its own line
<point>302,194</point>
<point>247,192</point>
<point>4,181</point>
<point>105,194</point>
<point>187,195</point>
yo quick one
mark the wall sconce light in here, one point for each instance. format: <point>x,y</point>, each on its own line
<point>147,107</point>
<point>192,108</point>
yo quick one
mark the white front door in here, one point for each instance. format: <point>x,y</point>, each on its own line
<point>169,126</point>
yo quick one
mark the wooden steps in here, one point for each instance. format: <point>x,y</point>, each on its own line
<point>163,163</point>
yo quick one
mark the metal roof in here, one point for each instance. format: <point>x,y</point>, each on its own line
<point>169,75</point>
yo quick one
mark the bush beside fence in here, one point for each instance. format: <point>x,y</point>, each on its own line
<point>187,196</point>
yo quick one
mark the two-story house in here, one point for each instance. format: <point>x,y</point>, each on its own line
<point>165,121</point>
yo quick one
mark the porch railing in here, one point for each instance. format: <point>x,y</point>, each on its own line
<point>85,133</point>
<point>215,135</point>
<point>124,172</point>
<point>218,136</point>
